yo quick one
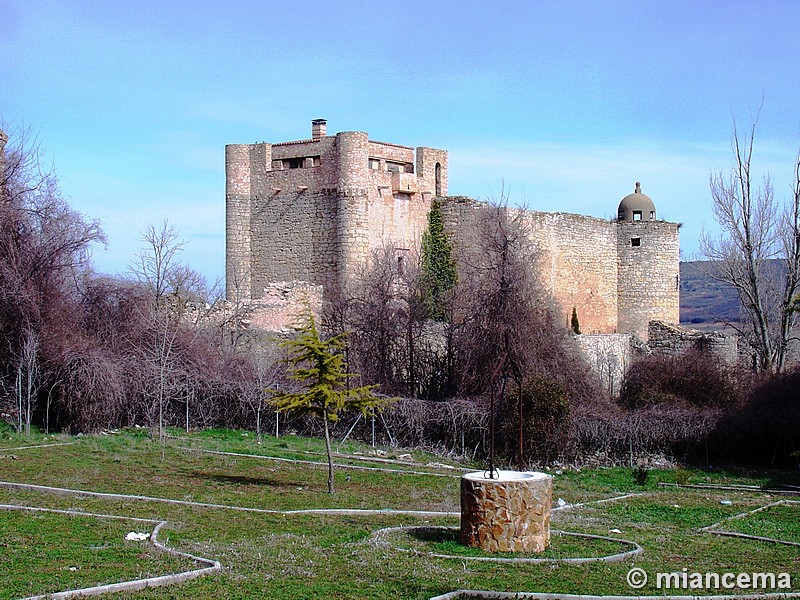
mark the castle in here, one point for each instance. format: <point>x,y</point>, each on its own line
<point>302,215</point>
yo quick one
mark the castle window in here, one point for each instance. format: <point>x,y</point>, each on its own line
<point>637,215</point>
<point>394,167</point>
<point>400,265</point>
<point>375,164</point>
<point>294,163</point>
<point>438,175</point>
<point>652,215</point>
<point>636,242</point>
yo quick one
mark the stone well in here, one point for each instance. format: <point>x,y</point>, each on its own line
<point>510,513</point>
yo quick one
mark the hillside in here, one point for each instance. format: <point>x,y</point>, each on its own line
<point>703,299</point>
<point>706,301</point>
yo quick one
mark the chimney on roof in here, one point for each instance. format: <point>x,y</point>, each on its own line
<point>318,128</point>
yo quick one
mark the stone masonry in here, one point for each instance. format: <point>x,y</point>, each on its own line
<point>311,211</point>
<point>674,340</point>
<point>507,514</point>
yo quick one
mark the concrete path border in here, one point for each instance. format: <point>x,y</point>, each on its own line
<point>379,538</point>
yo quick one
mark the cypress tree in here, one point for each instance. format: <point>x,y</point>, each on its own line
<point>576,327</point>
<point>438,267</point>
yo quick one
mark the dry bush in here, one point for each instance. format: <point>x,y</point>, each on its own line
<point>694,378</point>
<point>602,432</point>
<point>456,427</point>
<point>545,418</point>
<point>90,391</point>
<point>765,428</point>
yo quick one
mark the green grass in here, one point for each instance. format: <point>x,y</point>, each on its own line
<point>283,555</point>
<point>780,522</point>
<point>59,552</point>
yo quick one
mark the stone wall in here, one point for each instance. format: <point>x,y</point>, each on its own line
<point>576,258</point>
<point>577,264</point>
<point>609,356</point>
<point>589,263</point>
<point>674,340</point>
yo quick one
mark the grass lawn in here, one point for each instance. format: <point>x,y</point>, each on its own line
<point>285,554</point>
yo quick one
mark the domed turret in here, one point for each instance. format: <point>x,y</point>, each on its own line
<point>636,207</point>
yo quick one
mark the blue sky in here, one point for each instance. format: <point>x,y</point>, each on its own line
<point>562,104</point>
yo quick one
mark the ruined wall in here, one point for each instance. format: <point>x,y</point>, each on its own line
<point>648,275</point>
<point>674,340</point>
<point>280,303</point>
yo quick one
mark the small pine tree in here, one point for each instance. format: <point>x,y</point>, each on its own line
<point>438,267</point>
<point>320,366</point>
<point>576,326</point>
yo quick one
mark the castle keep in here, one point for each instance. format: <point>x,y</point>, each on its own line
<point>302,216</point>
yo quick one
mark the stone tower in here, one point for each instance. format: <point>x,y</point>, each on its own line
<point>648,254</point>
<point>313,210</point>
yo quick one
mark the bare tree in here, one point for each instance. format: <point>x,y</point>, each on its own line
<point>757,251</point>
<point>508,331</point>
<point>377,317</point>
<point>27,379</point>
<point>157,262</point>
<point>156,268</point>
<point>233,309</point>
<point>393,341</point>
<point>44,246</point>
<point>499,296</point>
<point>260,372</point>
